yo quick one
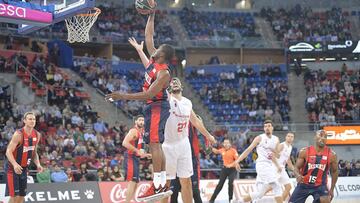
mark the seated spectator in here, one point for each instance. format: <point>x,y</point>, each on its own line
<point>116,175</point>
<point>70,175</point>
<point>347,170</point>
<point>44,177</point>
<point>209,163</point>
<point>58,175</point>
<point>100,175</point>
<point>80,175</point>
<point>356,169</point>
<point>100,126</point>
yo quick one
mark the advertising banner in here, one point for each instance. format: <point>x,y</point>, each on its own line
<point>115,192</point>
<point>26,14</point>
<point>82,192</point>
<point>207,188</point>
<point>348,187</point>
<point>343,135</point>
<point>347,190</point>
<point>347,46</point>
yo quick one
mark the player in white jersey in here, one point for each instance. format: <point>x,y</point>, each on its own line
<point>267,146</point>
<point>285,151</point>
<point>176,146</point>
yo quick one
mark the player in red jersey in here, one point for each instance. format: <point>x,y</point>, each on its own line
<point>21,150</point>
<point>311,171</point>
<point>134,144</point>
<point>157,78</point>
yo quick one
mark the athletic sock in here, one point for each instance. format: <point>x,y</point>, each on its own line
<point>157,180</point>
<point>163,178</point>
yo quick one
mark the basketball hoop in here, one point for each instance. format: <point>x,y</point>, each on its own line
<point>79,25</point>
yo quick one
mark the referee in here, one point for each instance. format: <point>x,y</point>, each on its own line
<point>229,155</point>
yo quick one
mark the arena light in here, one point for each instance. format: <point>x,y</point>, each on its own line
<point>344,59</point>
<point>309,59</point>
<point>183,63</point>
<point>193,3</point>
<point>330,59</point>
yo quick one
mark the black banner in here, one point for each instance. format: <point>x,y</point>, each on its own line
<point>64,192</point>
<point>348,46</point>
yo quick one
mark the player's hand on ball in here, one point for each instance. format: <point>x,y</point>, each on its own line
<point>115,96</point>
<point>40,169</point>
<point>135,44</point>
<point>18,169</point>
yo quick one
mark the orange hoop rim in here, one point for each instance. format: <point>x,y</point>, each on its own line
<point>97,12</point>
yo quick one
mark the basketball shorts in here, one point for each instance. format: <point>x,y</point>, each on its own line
<point>303,191</point>
<point>131,167</point>
<point>155,115</point>
<point>16,184</point>
<point>178,159</point>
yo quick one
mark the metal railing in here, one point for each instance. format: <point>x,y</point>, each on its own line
<point>33,78</point>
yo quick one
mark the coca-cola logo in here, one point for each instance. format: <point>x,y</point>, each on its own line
<point>118,194</point>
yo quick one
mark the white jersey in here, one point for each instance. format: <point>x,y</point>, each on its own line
<point>266,147</point>
<point>177,125</point>
<point>284,155</point>
<point>265,168</point>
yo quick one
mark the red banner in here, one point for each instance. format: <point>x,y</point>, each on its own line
<point>115,192</point>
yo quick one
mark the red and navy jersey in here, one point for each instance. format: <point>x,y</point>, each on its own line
<point>25,150</point>
<point>195,152</point>
<point>194,141</point>
<point>138,142</point>
<point>316,166</point>
<point>150,77</point>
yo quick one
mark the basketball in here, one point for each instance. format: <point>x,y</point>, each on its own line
<point>145,7</point>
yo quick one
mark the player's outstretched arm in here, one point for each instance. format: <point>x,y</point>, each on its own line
<point>299,165</point>
<point>14,142</point>
<point>149,34</point>
<point>140,49</point>
<point>162,80</point>
<point>334,173</point>
<point>198,124</point>
<point>247,151</point>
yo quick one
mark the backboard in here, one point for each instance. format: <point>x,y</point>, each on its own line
<point>37,14</point>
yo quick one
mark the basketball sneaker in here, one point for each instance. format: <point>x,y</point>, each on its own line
<point>154,194</point>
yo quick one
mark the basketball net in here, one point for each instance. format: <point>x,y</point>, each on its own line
<point>79,25</point>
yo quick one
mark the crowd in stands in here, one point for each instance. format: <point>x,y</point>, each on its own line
<point>349,168</point>
<point>298,24</point>
<point>74,137</point>
<point>121,23</point>
<point>100,75</point>
<point>201,25</point>
<point>333,96</point>
<point>244,95</point>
